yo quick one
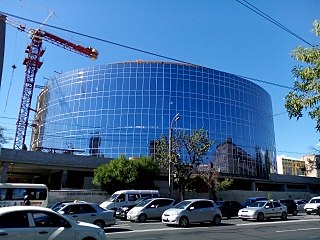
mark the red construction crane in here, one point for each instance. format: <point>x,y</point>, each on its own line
<point>32,61</point>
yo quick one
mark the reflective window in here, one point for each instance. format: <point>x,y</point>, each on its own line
<point>129,105</point>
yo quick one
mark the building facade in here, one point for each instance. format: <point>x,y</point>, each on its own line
<point>123,108</point>
<point>291,166</point>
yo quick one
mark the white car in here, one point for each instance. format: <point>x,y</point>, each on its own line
<point>300,204</point>
<point>313,206</point>
<point>192,211</point>
<point>261,210</point>
<point>88,212</point>
<point>150,209</point>
<point>30,222</point>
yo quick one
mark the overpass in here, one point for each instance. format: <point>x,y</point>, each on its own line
<point>56,170</point>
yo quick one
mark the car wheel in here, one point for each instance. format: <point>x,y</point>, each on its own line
<point>308,213</point>
<point>244,219</point>
<point>260,217</point>
<point>99,223</point>
<point>284,216</point>
<point>184,222</point>
<point>216,220</point>
<point>295,213</point>
<point>142,217</point>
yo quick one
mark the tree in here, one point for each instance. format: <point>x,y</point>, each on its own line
<point>122,173</point>
<point>210,177</point>
<point>188,153</point>
<point>3,138</point>
<point>306,92</point>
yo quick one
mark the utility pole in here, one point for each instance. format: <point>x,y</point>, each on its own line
<point>174,119</point>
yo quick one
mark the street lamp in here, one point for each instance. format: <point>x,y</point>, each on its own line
<point>174,119</point>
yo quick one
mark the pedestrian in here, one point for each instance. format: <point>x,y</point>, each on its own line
<point>26,200</point>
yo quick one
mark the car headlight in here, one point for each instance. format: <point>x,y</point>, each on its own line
<point>100,231</point>
<point>174,214</point>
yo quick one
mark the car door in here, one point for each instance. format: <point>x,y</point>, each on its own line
<point>164,204</point>
<point>51,226</point>
<point>152,209</point>
<point>278,209</point>
<point>201,211</point>
<point>269,210</point>
<point>82,212</point>
<point>16,226</point>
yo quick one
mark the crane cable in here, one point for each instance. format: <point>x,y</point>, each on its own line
<point>13,68</point>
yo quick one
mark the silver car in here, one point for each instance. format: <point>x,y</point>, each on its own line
<point>88,212</point>
<point>150,209</point>
<point>192,211</point>
<point>30,222</point>
<point>261,210</point>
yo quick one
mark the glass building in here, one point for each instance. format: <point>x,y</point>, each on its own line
<point>122,108</point>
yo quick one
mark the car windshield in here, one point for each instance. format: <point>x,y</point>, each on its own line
<point>182,205</point>
<point>112,198</point>
<point>257,204</point>
<point>58,207</point>
<point>144,202</point>
<point>317,200</point>
<point>136,202</point>
<point>219,203</point>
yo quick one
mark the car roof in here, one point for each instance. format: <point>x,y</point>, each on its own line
<point>21,208</point>
<point>77,203</point>
<point>198,199</point>
<point>251,198</point>
<point>159,198</point>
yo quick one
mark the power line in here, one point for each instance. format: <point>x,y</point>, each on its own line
<point>270,19</point>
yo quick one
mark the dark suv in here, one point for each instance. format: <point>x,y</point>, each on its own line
<point>291,206</point>
<point>229,208</point>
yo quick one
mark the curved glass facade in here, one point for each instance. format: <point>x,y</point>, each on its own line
<point>122,108</point>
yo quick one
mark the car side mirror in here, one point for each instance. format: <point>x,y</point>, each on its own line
<point>191,208</point>
<point>266,207</point>
<point>67,225</point>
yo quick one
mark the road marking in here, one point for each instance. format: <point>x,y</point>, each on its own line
<point>280,222</point>
<point>219,226</point>
<point>154,230</point>
<point>295,230</point>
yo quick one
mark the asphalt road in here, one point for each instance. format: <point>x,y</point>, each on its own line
<point>305,227</point>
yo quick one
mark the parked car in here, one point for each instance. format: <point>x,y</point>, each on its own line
<point>313,205</point>
<point>122,212</point>
<point>57,205</point>
<point>300,204</point>
<point>126,197</point>
<point>30,222</point>
<point>192,211</point>
<point>250,200</point>
<point>291,206</point>
<point>88,212</point>
<point>150,209</point>
<point>229,208</point>
<point>261,210</point>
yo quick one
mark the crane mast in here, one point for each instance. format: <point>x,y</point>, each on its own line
<point>34,52</point>
<point>33,63</point>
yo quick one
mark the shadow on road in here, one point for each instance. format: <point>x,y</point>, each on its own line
<point>116,229</point>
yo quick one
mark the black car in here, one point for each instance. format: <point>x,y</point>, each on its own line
<point>121,212</point>
<point>291,206</point>
<point>229,209</point>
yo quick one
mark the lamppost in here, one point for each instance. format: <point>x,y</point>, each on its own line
<point>173,120</point>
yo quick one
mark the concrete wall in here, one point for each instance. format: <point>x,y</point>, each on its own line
<point>238,195</point>
<point>84,195</point>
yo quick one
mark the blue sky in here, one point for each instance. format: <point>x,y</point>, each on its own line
<point>222,35</point>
